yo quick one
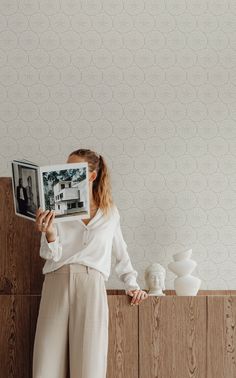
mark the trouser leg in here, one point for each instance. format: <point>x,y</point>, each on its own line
<point>50,352</point>
<point>88,325</point>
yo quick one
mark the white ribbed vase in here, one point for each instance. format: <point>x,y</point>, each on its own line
<point>183,266</point>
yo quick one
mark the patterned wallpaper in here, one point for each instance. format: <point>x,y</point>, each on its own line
<point>152,86</point>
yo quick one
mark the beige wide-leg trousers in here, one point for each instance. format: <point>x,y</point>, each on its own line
<point>72,324</point>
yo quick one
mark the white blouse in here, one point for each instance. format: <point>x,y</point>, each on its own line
<point>91,245</point>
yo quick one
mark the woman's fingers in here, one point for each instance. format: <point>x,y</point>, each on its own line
<point>52,216</point>
<point>43,217</point>
<point>48,216</point>
<point>138,297</point>
<point>46,220</point>
<point>38,213</point>
<point>38,220</point>
<point>130,293</point>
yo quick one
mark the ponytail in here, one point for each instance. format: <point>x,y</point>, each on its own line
<point>102,184</point>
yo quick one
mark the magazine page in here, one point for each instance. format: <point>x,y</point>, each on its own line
<point>25,188</point>
<point>64,188</point>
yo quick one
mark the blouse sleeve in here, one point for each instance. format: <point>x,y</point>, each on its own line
<point>123,265</point>
<point>52,250</point>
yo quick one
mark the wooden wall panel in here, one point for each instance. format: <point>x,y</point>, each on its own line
<point>172,337</point>
<point>221,345</point>
<point>14,336</point>
<point>34,308</point>
<point>20,263</point>
<point>123,338</point>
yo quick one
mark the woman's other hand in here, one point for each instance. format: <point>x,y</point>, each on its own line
<point>138,296</point>
<point>44,223</point>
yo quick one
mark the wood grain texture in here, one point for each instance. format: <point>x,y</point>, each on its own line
<point>221,343</point>
<point>20,263</point>
<point>14,336</point>
<point>172,337</point>
<point>123,338</point>
<point>34,308</point>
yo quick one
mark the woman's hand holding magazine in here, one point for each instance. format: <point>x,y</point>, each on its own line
<point>44,223</point>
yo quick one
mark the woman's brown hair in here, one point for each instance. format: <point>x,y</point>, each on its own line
<point>102,184</point>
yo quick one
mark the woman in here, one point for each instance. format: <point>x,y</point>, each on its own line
<point>74,309</point>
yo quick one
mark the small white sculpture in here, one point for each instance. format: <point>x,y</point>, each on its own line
<point>183,266</point>
<point>155,276</point>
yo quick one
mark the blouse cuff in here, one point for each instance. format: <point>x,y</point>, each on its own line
<point>53,249</point>
<point>130,281</point>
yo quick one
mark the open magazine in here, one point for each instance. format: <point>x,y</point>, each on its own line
<point>63,188</point>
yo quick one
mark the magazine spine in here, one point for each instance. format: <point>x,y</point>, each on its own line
<point>13,188</point>
<point>40,189</point>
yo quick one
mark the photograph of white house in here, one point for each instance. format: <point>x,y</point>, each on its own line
<point>69,196</point>
<point>66,190</point>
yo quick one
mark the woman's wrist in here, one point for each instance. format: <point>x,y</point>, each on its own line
<point>50,237</point>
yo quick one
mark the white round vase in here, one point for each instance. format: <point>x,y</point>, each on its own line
<point>185,284</point>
